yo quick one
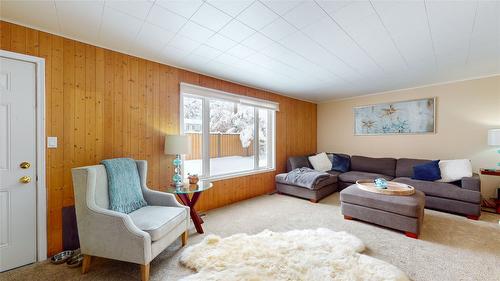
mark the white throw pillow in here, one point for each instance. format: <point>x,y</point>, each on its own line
<point>454,170</point>
<point>320,162</point>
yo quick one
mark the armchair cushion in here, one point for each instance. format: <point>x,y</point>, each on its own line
<point>158,220</point>
<point>125,194</point>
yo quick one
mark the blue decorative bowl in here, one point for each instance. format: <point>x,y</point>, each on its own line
<point>381,183</point>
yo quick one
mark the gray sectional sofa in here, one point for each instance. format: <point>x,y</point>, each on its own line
<point>462,197</point>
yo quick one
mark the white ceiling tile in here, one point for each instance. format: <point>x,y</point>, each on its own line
<point>41,14</point>
<point>353,13</point>
<point>371,35</point>
<point>207,52</point>
<point>194,61</point>
<point>228,59</point>
<point>257,41</point>
<point>153,37</point>
<point>183,43</point>
<point>236,31</point>
<point>278,29</point>
<point>282,6</point>
<point>220,42</point>
<point>316,54</point>
<point>240,51</point>
<point>407,23</point>
<point>332,7</point>
<point>80,19</point>
<point>304,14</point>
<point>118,30</point>
<point>403,17</point>
<point>173,53</point>
<point>451,26</point>
<point>195,31</point>
<point>231,7</point>
<point>210,17</point>
<point>165,18</point>
<point>136,8</point>
<point>280,52</point>
<point>338,43</point>
<point>485,40</point>
<point>257,16</point>
<point>181,7</point>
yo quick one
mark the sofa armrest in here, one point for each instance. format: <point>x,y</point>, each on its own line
<point>472,183</point>
<point>297,162</point>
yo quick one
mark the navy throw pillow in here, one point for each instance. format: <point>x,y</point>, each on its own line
<point>427,172</point>
<point>341,163</point>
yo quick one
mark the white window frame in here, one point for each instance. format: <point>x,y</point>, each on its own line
<point>188,90</point>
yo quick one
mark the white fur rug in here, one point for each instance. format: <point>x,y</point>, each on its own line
<point>320,254</point>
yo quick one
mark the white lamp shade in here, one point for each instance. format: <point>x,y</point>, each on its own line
<point>494,137</point>
<point>177,144</point>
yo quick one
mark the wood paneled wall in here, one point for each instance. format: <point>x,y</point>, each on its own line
<point>103,104</point>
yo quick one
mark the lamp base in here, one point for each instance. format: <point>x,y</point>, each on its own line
<point>177,177</point>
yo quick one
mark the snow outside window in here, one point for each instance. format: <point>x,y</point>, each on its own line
<point>229,136</point>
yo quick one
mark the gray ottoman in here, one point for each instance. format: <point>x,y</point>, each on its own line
<point>405,213</point>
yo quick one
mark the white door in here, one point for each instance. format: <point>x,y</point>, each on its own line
<point>17,163</point>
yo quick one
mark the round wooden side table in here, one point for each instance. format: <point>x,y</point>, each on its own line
<point>183,193</point>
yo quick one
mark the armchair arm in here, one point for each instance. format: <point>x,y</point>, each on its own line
<point>158,198</point>
<point>471,183</point>
<point>103,232</point>
<point>155,198</point>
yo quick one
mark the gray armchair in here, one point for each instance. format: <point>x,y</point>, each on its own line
<point>137,237</point>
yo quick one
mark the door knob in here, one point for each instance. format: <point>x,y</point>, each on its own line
<point>25,179</point>
<point>25,165</point>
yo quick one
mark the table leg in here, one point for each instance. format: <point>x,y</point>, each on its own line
<point>197,221</point>
<point>194,199</point>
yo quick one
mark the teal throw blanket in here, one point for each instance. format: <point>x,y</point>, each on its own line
<point>124,187</point>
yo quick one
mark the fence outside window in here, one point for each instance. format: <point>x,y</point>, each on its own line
<point>221,145</point>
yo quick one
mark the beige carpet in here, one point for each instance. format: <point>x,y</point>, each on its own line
<point>451,247</point>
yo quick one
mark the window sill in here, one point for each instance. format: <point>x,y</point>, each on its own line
<point>238,174</point>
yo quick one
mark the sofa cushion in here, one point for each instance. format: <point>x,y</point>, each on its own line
<point>384,166</point>
<point>404,166</point>
<point>295,162</point>
<point>330,156</point>
<point>280,178</point>
<point>443,190</point>
<point>341,163</point>
<point>158,220</point>
<point>427,171</point>
<point>410,206</point>
<point>320,162</point>
<point>353,176</point>
<point>455,170</point>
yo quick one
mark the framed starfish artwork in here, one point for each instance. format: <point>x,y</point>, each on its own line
<point>402,117</point>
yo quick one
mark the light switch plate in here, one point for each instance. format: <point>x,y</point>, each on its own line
<point>51,142</point>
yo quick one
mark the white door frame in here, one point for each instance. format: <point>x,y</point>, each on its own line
<point>41,195</point>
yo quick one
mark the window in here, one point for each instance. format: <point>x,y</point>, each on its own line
<point>230,134</point>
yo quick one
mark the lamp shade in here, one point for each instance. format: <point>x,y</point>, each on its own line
<point>177,144</point>
<point>494,137</point>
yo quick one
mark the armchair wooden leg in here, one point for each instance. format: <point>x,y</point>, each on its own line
<point>145,272</point>
<point>86,263</point>
<point>184,238</point>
